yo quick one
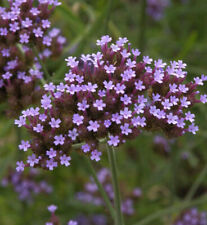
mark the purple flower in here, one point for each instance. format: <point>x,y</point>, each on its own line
<point>139,121</point>
<point>46,102</point>
<point>7,76</point>
<point>95,155</point>
<point>107,123</point>
<point>139,85</point>
<point>72,222</point>
<point>71,61</point>
<point>110,69</point>
<point>104,40</point>
<point>189,116</point>
<point>126,113</point>
<point>26,23</point>
<point>51,153</point>
<point>46,24</point>
<point>24,145</point>
<point>78,119</point>
<point>172,119</point>
<point>203,98</point>
<point>55,123</point>
<point>59,140</point>
<point>85,148</point>
<point>20,166</point>
<point>21,121</point>
<point>99,104</point>
<point>38,32</point>
<point>49,87</point>
<point>184,102</point>
<point>38,128</point>
<point>51,164</point>
<point>126,99</point>
<point>24,38</point>
<point>52,208</point>
<point>93,126</point>
<point>110,95</point>
<point>191,217</point>
<point>156,8</point>
<point>193,128</point>
<point>34,11</point>
<point>108,85</point>
<point>32,160</point>
<point>113,140</point>
<point>125,129</point>
<point>73,134</point>
<point>64,160</point>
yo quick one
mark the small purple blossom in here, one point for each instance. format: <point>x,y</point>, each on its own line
<point>95,155</point>
<point>20,166</point>
<point>93,126</point>
<point>51,164</point>
<point>51,153</point>
<point>65,160</point>
<point>55,123</point>
<point>24,145</point>
<point>59,140</point>
<point>113,140</point>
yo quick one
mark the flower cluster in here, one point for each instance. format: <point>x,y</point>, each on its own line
<point>26,185</point>
<point>192,217</point>
<point>155,8</point>
<point>54,220</point>
<point>24,25</point>
<point>92,195</point>
<point>110,95</point>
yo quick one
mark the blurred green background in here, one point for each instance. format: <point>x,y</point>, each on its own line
<point>165,176</point>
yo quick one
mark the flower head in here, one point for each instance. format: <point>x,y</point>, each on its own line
<point>24,24</point>
<point>114,98</point>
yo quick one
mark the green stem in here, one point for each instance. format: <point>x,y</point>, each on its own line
<point>107,18</point>
<point>142,25</point>
<point>196,184</point>
<point>18,138</point>
<point>117,199</point>
<point>78,145</point>
<point>100,187</point>
<point>175,208</point>
<point>47,75</point>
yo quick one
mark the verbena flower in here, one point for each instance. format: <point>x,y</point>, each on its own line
<point>91,194</point>
<point>26,185</point>
<point>54,220</point>
<point>156,8</point>
<point>110,95</point>
<point>191,217</point>
<point>24,24</point>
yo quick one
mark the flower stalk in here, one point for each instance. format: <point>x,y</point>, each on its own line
<point>46,73</point>
<point>100,187</point>
<point>117,199</point>
<point>141,38</point>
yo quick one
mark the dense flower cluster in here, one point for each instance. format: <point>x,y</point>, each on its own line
<point>54,220</point>
<point>155,8</point>
<point>91,193</point>
<point>26,185</point>
<point>192,217</point>
<point>111,95</point>
<point>23,25</point>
